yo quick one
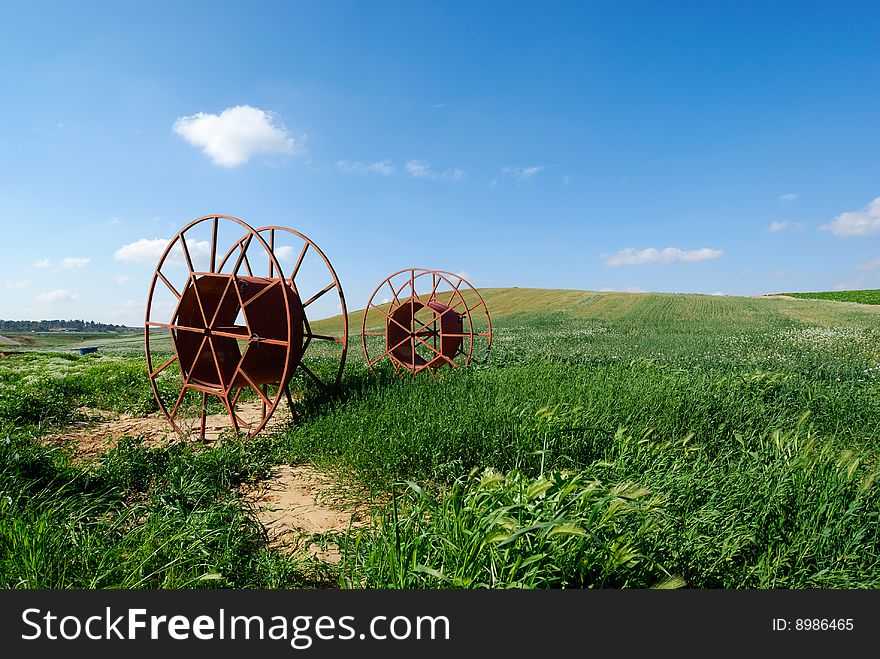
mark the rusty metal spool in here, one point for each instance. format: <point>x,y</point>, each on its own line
<point>237,323</point>
<point>429,319</point>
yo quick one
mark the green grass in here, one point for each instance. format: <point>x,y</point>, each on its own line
<point>860,297</point>
<point>612,440</point>
<point>71,340</point>
<point>141,518</point>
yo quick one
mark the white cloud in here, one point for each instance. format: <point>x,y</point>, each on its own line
<point>235,135</point>
<point>856,223</point>
<point>75,262</point>
<point>18,284</point>
<point>859,284</point>
<point>142,251</point>
<point>717,293</point>
<point>122,280</point>
<point>379,168</point>
<point>421,169</point>
<point>870,265</point>
<point>626,289</point>
<point>149,251</point>
<point>43,263</point>
<point>114,221</point>
<point>779,226</point>
<point>566,180</point>
<point>521,175</point>
<point>787,198</point>
<point>631,256</point>
<point>57,295</point>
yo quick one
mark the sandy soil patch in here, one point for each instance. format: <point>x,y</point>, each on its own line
<point>297,503</point>
<point>294,504</point>
<point>779,297</point>
<point>99,430</point>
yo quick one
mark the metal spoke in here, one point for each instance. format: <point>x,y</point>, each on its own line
<point>244,248</point>
<point>185,249</point>
<point>214,243</point>
<point>186,381</point>
<point>331,285</point>
<point>389,351</point>
<point>412,315</point>
<point>168,284</point>
<point>199,298</point>
<point>314,377</point>
<point>223,385</point>
<point>439,354</point>
<point>232,416</point>
<point>391,318</point>
<point>299,261</point>
<point>271,250</point>
<point>247,265</point>
<point>163,366</point>
<point>220,302</point>
<point>257,295</point>
<point>203,417</point>
<point>324,337</point>
<point>256,388</point>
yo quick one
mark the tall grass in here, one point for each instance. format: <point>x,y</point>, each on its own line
<point>612,441</point>
<point>142,518</point>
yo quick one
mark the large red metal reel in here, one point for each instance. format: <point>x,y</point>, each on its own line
<point>428,319</point>
<point>237,324</point>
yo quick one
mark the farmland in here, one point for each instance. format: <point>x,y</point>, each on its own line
<point>611,440</point>
<point>859,297</point>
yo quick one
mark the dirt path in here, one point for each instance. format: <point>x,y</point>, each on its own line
<point>297,503</point>
<point>294,504</point>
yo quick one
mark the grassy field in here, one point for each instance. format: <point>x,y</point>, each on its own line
<point>859,297</point>
<point>612,440</point>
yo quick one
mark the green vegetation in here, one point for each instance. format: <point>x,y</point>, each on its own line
<point>56,325</point>
<point>612,440</point>
<point>860,297</point>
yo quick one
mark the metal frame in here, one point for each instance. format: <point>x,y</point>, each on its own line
<point>416,331</point>
<point>295,340</point>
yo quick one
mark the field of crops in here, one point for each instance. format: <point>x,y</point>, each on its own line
<point>612,440</point>
<point>859,297</point>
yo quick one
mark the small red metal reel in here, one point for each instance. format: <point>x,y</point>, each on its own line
<point>228,312</point>
<point>428,319</point>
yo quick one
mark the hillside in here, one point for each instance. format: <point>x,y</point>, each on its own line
<point>638,307</point>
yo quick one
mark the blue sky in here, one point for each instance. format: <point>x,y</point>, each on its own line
<point>656,146</point>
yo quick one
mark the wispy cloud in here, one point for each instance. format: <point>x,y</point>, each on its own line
<point>57,295</point>
<point>650,255</point>
<point>521,175</point>
<point>779,226</point>
<point>378,168</point>
<point>148,250</point>
<point>869,265</point>
<point>856,223</point>
<point>43,264</point>
<point>421,169</point>
<point>75,262</point>
<point>787,198</point>
<point>782,225</point>
<point>18,284</point>
<point>625,289</point>
<point>236,135</point>
<point>122,280</point>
